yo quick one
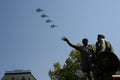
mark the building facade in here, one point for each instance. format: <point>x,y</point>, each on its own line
<point>18,75</point>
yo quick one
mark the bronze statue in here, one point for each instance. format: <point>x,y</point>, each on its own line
<point>105,63</point>
<point>86,52</point>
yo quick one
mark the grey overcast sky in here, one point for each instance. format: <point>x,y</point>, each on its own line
<point>27,41</point>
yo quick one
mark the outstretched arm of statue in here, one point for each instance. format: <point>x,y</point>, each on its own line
<point>65,39</point>
<point>69,43</point>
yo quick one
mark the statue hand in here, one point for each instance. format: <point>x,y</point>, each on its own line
<point>64,39</point>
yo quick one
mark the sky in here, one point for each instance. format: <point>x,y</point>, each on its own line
<point>28,42</point>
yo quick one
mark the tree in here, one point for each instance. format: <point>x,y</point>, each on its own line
<point>71,70</point>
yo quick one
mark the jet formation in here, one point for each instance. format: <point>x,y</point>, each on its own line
<point>44,15</point>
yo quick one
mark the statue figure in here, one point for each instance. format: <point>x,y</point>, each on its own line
<point>86,52</point>
<point>102,44</point>
<point>106,62</point>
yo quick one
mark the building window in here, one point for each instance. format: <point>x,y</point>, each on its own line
<point>23,78</point>
<point>12,78</point>
<point>28,78</point>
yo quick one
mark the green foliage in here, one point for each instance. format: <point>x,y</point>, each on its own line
<point>71,70</point>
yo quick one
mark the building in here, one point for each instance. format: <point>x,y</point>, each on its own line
<point>18,75</point>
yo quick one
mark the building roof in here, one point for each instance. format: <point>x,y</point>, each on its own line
<point>17,72</point>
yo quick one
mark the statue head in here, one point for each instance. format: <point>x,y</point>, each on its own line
<point>100,36</point>
<point>85,41</point>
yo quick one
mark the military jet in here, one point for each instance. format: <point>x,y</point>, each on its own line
<point>39,10</point>
<point>44,15</point>
<point>48,20</point>
<point>52,26</point>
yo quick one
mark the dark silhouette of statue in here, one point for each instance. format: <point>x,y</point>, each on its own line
<point>86,53</point>
<point>106,62</point>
